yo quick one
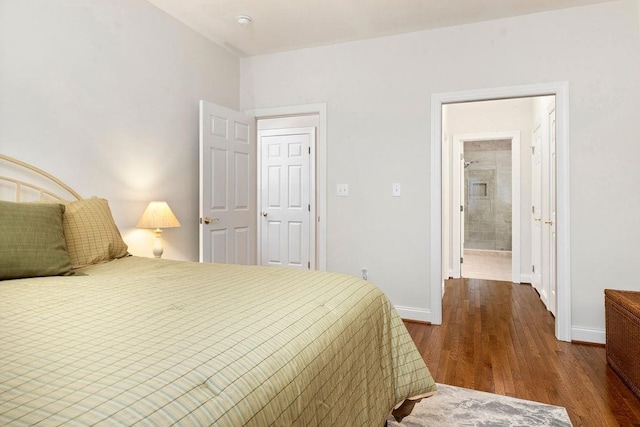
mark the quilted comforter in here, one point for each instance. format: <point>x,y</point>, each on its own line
<point>141,341</point>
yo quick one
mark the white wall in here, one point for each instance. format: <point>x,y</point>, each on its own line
<point>104,95</point>
<point>378,97</point>
<point>500,116</point>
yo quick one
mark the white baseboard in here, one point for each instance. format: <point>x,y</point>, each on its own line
<point>414,313</point>
<point>597,336</point>
<point>525,278</point>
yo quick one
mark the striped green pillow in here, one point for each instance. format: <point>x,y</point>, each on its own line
<point>32,240</point>
<point>91,233</point>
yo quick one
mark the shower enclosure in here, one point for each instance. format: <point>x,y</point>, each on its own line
<point>487,195</point>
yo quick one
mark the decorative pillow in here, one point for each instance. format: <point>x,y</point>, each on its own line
<point>91,233</point>
<point>32,240</point>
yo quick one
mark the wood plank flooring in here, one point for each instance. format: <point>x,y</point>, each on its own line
<point>498,337</point>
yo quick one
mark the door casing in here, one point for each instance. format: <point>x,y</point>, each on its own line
<point>320,165</point>
<point>563,267</point>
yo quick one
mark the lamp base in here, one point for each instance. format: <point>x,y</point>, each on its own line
<point>157,244</point>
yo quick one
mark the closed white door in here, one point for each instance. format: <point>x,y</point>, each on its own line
<point>536,210</point>
<point>550,222</point>
<point>227,186</point>
<point>287,237</point>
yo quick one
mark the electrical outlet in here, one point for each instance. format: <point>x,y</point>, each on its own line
<point>342,190</point>
<point>396,190</point>
<point>365,274</point>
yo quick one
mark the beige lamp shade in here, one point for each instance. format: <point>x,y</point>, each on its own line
<point>158,215</point>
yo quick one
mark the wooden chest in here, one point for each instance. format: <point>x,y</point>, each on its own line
<point>622,310</point>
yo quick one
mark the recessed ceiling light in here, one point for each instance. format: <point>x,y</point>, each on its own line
<point>244,20</point>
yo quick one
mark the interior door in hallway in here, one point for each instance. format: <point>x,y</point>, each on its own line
<point>550,222</point>
<point>227,186</point>
<point>287,237</point>
<point>536,211</point>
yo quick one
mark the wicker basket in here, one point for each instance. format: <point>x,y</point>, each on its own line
<point>622,310</point>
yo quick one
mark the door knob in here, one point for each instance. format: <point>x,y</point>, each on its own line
<point>265,214</point>
<point>208,219</point>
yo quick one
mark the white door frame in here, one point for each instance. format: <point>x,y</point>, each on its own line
<point>561,91</point>
<point>320,171</point>
<point>458,140</point>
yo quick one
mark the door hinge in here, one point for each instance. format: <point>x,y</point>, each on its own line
<point>461,260</point>
<point>461,208</point>
<point>533,268</point>
<point>308,265</point>
<point>200,220</point>
<point>309,150</point>
<point>533,149</point>
<point>533,209</point>
<point>309,208</point>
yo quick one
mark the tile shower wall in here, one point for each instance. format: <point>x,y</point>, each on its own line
<point>487,195</point>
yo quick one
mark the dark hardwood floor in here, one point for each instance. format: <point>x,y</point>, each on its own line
<point>498,337</point>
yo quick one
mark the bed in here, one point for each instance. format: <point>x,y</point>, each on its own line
<point>105,338</point>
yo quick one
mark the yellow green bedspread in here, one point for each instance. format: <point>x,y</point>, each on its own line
<point>150,342</point>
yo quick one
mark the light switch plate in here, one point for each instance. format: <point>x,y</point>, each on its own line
<point>396,190</point>
<point>342,190</point>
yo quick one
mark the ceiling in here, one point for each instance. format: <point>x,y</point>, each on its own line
<point>280,25</point>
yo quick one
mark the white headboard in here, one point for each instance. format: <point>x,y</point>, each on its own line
<point>21,182</point>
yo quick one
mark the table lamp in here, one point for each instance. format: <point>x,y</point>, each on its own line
<point>157,216</point>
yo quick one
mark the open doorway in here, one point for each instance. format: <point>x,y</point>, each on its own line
<point>504,169</point>
<point>498,174</point>
<point>485,228</point>
<point>441,201</point>
<point>487,209</point>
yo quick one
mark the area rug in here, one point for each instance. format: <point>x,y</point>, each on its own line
<point>455,406</point>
